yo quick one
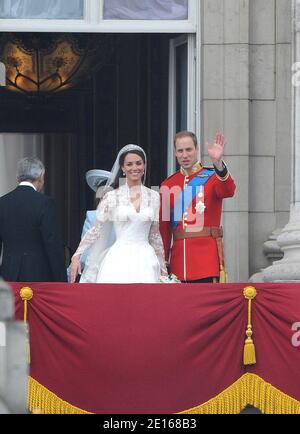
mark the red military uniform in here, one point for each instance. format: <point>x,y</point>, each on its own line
<point>195,255</point>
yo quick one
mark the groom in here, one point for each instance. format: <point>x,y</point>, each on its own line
<point>191,206</point>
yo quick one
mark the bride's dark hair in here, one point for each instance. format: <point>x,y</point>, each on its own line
<point>121,163</point>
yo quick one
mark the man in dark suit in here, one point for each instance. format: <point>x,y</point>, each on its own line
<point>32,249</point>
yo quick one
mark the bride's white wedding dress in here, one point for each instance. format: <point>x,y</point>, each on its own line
<point>125,245</point>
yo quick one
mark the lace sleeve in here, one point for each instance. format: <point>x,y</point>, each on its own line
<point>155,238</point>
<point>91,235</point>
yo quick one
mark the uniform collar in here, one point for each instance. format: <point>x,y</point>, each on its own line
<point>198,166</point>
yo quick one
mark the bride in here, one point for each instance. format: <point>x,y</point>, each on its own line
<point>124,244</point>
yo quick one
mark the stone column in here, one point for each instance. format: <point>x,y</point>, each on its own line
<point>288,268</point>
<point>225,105</point>
<point>13,357</point>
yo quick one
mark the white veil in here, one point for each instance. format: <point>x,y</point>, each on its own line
<point>107,236</point>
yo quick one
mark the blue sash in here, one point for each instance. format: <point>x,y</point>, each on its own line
<point>184,200</point>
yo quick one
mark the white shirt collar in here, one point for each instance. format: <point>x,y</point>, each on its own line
<point>27,184</point>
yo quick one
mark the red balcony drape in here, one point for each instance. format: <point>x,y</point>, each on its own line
<point>161,348</point>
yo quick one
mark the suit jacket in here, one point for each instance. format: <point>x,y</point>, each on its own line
<point>30,239</point>
<point>194,258</point>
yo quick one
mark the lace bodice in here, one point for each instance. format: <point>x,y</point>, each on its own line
<point>130,226</point>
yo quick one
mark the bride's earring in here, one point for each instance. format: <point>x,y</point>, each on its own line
<point>124,174</point>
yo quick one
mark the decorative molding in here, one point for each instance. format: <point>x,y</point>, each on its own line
<point>272,249</point>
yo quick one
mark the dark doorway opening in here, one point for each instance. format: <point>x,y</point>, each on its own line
<point>125,101</point>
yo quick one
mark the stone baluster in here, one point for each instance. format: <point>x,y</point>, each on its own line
<point>13,357</point>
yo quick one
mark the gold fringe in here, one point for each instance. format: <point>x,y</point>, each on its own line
<point>249,348</point>
<point>42,401</point>
<point>249,389</point>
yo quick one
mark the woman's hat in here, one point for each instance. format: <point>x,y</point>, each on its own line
<point>95,177</point>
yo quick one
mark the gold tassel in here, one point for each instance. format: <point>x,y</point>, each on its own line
<point>249,351</point>
<point>26,294</point>
<point>249,348</point>
<point>223,275</point>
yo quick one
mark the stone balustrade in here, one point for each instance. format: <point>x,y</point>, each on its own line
<point>13,357</point>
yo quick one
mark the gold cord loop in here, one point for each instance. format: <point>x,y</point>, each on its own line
<point>249,348</point>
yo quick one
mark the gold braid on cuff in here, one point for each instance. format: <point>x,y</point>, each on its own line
<point>224,178</point>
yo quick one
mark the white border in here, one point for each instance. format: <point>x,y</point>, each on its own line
<point>2,74</point>
<point>174,43</point>
<point>191,93</point>
<point>93,22</point>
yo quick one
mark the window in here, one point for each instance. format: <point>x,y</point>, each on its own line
<point>100,16</point>
<point>145,9</point>
<point>182,91</point>
<point>42,9</point>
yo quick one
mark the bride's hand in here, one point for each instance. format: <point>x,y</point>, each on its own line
<point>75,268</point>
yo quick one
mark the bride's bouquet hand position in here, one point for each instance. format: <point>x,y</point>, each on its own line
<point>75,268</point>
